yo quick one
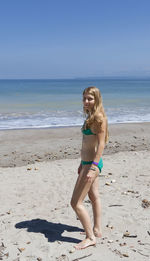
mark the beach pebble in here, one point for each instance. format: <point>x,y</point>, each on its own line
<point>145,203</point>
<point>7,254</point>
<point>72,250</point>
<point>126,234</point>
<point>110,241</point>
<point>132,191</point>
<point>62,258</point>
<point>110,226</point>
<point>122,244</point>
<point>107,184</point>
<point>21,249</point>
<point>124,193</point>
<point>113,181</point>
<point>125,255</point>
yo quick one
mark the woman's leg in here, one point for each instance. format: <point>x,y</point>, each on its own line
<point>81,189</point>
<point>96,205</point>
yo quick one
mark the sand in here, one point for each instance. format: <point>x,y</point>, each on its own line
<point>38,170</point>
<point>28,146</point>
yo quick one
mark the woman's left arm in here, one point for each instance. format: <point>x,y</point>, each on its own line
<point>101,144</point>
<point>101,141</point>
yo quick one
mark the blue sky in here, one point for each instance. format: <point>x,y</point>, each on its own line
<point>74,38</point>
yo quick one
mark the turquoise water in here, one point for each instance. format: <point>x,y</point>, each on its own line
<point>55,103</point>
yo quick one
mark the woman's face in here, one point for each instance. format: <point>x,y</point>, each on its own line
<point>88,101</point>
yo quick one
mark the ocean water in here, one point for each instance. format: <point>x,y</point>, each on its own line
<point>58,103</point>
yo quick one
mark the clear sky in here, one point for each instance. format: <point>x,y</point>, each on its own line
<point>74,38</point>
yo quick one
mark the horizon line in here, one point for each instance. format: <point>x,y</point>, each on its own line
<point>82,78</point>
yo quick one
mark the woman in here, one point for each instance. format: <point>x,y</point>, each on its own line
<point>95,136</point>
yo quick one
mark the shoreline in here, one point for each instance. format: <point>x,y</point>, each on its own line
<point>42,128</point>
<point>27,146</point>
<point>73,126</point>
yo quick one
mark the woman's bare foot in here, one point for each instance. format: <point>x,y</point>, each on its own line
<point>86,243</point>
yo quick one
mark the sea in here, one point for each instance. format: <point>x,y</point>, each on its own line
<point>58,103</point>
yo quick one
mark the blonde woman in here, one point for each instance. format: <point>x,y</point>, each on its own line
<point>95,135</point>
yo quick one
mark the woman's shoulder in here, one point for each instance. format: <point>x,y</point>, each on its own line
<point>100,122</point>
<point>99,118</point>
<point>100,115</point>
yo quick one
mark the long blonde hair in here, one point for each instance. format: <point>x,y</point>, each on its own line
<point>95,115</point>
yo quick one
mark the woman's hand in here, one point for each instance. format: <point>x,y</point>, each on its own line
<point>79,168</point>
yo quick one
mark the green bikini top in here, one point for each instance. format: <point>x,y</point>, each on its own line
<point>87,132</point>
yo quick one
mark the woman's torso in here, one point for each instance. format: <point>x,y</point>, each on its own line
<point>89,145</point>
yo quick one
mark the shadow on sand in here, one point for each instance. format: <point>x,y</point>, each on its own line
<point>52,231</point>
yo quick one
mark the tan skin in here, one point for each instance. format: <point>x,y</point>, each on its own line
<point>87,181</point>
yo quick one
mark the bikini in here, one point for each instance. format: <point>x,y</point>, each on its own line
<point>87,132</point>
<point>100,164</point>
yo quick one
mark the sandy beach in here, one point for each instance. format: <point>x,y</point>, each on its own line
<point>38,170</point>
